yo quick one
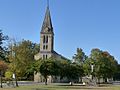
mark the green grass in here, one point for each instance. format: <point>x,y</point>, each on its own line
<point>58,87</point>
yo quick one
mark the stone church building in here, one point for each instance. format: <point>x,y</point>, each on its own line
<point>46,43</point>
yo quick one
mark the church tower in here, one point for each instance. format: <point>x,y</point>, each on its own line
<point>46,36</point>
<point>46,45</point>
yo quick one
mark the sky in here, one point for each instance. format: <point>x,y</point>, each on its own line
<point>85,24</point>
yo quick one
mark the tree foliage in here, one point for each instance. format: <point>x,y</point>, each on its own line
<point>74,71</point>
<point>8,75</point>
<point>117,74</point>
<point>3,68</point>
<point>3,49</point>
<point>58,67</point>
<point>22,56</point>
<point>104,64</point>
<point>80,56</point>
<point>49,67</point>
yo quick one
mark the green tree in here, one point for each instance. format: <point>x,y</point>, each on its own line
<point>91,60</point>
<point>87,66</point>
<point>21,57</point>
<point>49,67</point>
<point>74,71</point>
<point>70,70</point>
<point>3,68</point>
<point>64,67</point>
<point>117,74</point>
<point>80,56</point>
<point>104,64</point>
<point>34,67</point>
<point>3,49</point>
<point>8,75</point>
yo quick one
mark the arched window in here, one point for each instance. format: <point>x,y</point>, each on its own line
<point>44,39</point>
<point>46,56</point>
<point>43,56</point>
<point>46,47</point>
<point>43,47</point>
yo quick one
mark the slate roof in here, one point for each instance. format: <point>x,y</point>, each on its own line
<point>47,23</point>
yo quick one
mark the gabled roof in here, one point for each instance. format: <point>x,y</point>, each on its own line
<point>47,23</point>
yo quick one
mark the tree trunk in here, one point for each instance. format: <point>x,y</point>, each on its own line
<point>1,79</point>
<point>105,80</point>
<point>46,81</point>
<point>99,81</point>
<point>16,83</point>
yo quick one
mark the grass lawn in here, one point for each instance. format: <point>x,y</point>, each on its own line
<point>58,87</point>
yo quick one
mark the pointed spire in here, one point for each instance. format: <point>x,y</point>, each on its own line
<point>47,23</point>
<point>48,3</point>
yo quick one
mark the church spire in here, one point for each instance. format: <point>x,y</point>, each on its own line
<point>47,23</point>
<point>48,3</point>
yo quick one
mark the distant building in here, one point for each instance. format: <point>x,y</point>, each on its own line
<point>46,44</point>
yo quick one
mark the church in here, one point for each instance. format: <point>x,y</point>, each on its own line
<point>46,43</point>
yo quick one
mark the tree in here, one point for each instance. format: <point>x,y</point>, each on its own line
<point>74,71</point>
<point>3,49</point>
<point>34,67</point>
<point>95,54</point>
<point>104,64</point>
<point>3,68</point>
<point>49,67</point>
<point>8,75</point>
<point>57,67</point>
<point>80,56</point>
<point>87,66</point>
<point>116,76</point>
<point>13,64</point>
<point>91,60</point>
<point>63,68</point>
<point>70,70</point>
<point>21,56</point>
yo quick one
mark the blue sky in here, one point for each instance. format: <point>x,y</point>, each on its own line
<point>85,24</point>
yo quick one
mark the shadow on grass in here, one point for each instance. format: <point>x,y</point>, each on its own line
<point>39,89</point>
<point>73,87</point>
<point>105,85</point>
<point>69,87</point>
<point>98,85</point>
